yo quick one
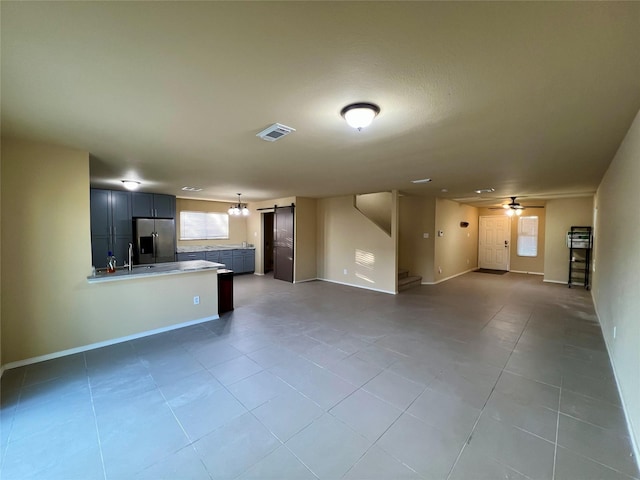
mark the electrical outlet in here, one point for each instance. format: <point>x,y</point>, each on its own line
<point>196,300</point>
<point>344,271</point>
<point>440,233</point>
<point>425,235</point>
<point>614,332</point>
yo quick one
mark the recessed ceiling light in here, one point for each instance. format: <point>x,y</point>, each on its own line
<point>422,180</point>
<point>444,190</point>
<point>485,190</point>
<point>130,184</point>
<point>191,189</point>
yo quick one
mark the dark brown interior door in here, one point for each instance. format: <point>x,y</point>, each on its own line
<point>283,243</point>
<point>267,228</point>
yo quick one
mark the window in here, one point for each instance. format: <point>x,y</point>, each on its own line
<point>203,226</point>
<point>528,236</point>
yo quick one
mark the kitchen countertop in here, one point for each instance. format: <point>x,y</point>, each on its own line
<point>210,248</point>
<point>140,271</point>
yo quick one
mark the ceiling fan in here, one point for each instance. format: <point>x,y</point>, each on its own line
<point>514,207</point>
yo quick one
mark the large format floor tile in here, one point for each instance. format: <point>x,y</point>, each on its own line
<point>480,377</point>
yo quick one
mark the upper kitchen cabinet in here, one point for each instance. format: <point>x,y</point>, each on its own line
<point>111,227</point>
<point>153,205</point>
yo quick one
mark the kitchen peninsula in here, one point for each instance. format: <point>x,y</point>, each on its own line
<point>147,299</point>
<point>152,270</point>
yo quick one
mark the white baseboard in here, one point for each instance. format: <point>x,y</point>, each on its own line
<point>632,435</point>
<point>106,343</point>
<point>307,280</point>
<point>528,273</point>
<point>554,281</point>
<point>450,277</point>
<point>356,286</point>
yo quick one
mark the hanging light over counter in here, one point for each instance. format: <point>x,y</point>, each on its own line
<point>238,209</point>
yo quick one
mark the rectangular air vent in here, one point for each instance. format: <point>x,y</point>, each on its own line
<point>275,132</point>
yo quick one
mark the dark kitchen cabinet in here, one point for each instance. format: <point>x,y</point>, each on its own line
<point>153,205</point>
<point>225,291</point>
<point>111,227</point>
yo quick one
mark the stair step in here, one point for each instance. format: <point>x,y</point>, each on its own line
<point>409,282</point>
<point>403,274</point>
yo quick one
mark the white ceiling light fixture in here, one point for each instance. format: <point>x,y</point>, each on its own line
<point>130,184</point>
<point>191,189</point>
<point>485,190</point>
<point>422,180</point>
<point>238,209</point>
<point>360,115</point>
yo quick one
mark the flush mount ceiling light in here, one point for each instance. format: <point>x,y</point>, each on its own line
<point>130,184</point>
<point>238,209</point>
<point>360,115</point>
<point>191,189</point>
<point>485,190</point>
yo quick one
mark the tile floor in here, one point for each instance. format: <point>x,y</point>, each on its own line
<point>483,376</point>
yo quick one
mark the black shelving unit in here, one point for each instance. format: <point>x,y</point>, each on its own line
<point>580,242</point>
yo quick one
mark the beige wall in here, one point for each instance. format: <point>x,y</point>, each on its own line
<point>237,225</point>
<point>1,363</point>
<point>561,215</point>
<point>47,304</point>
<point>306,237</point>
<point>524,264</point>
<point>457,251</point>
<point>616,279</point>
<point>416,253</point>
<point>377,207</point>
<point>347,240</point>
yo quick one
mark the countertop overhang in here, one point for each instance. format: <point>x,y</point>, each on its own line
<point>155,269</point>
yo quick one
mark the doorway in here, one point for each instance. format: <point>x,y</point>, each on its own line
<point>283,243</point>
<point>267,245</point>
<point>493,242</point>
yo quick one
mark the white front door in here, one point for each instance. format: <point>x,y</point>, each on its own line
<point>493,244</point>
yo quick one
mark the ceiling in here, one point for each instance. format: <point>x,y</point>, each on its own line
<point>531,99</point>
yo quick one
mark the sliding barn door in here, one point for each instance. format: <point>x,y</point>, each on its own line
<point>283,243</point>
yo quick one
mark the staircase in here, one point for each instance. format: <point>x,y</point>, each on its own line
<point>406,281</point>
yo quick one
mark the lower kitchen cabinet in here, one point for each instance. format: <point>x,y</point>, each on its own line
<point>244,260</point>
<point>212,256</point>
<point>226,258</point>
<point>184,257</point>
<point>240,260</point>
<point>249,261</point>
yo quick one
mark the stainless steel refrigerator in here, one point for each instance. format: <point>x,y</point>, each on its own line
<point>155,240</point>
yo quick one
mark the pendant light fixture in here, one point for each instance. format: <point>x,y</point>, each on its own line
<point>238,209</point>
<point>360,115</point>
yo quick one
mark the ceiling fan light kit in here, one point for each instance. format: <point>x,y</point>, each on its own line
<point>514,207</point>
